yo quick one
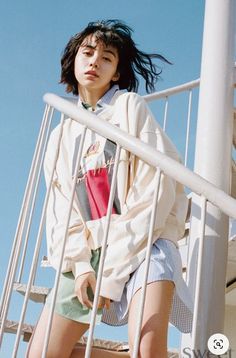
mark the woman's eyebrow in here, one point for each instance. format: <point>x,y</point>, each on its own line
<point>89,46</point>
<point>111,52</point>
<point>93,47</point>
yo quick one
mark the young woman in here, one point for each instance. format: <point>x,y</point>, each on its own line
<point>100,65</point>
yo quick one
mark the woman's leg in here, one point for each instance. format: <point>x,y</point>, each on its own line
<point>153,341</point>
<point>64,335</point>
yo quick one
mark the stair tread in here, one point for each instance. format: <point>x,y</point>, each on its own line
<point>11,327</point>
<point>37,293</point>
<point>34,289</point>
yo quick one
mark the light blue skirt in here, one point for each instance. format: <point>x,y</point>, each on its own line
<point>165,264</point>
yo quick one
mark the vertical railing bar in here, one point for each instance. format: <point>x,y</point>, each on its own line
<point>188,127</point>
<point>36,187</point>
<point>190,203</point>
<point>103,253</point>
<point>165,113</point>
<point>199,268</point>
<point>12,266</point>
<point>22,214</point>
<point>147,263</point>
<point>58,273</point>
<point>37,246</point>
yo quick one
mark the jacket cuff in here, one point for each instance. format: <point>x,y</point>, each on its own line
<point>81,268</point>
<point>111,289</point>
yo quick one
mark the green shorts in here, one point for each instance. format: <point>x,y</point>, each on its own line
<point>67,303</point>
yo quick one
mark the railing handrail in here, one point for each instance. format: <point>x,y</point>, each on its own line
<point>148,154</point>
<point>171,91</point>
<point>177,89</point>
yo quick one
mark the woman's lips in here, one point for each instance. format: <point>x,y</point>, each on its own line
<point>92,73</point>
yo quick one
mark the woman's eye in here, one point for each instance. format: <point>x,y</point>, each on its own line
<point>87,53</point>
<point>107,59</point>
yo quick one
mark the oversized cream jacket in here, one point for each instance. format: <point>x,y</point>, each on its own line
<point>135,187</point>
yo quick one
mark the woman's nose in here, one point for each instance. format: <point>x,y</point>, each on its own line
<point>94,61</point>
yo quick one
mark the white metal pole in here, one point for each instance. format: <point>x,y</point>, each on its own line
<point>199,270</point>
<point>147,265</point>
<point>103,253</point>
<point>65,235</point>
<point>188,127</point>
<point>213,162</point>
<point>165,113</point>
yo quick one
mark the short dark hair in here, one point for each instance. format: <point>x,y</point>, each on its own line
<point>132,61</point>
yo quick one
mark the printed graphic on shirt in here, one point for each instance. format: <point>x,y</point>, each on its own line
<point>93,149</point>
<point>94,178</point>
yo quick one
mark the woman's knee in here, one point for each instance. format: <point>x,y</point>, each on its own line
<point>36,347</point>
<point>150,347</point>
<point>37,351</point>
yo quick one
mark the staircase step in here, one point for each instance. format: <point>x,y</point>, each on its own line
<point>118,346</point>
<point>37,294</point>
<point>104,344</point>
<point>12,326</point>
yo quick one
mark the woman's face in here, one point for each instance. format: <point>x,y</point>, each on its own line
<point>96,65</point>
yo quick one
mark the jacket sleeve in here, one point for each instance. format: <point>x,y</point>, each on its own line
<point>129,231</point>
<point>77,253</point>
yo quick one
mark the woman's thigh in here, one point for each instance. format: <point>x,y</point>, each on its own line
<point>64,335</point>
<point>158,303</point>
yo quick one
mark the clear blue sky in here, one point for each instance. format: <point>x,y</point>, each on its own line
<point>32,37</point>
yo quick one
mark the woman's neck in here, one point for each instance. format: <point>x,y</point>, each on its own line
<point>91,97</point>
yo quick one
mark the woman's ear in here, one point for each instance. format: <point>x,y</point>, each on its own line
<point>116,77</point>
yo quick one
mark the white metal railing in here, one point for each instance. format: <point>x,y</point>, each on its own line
<point>154,158</point>
<point>188,86</point>
<point>31,188</point>
<point>166,94</point>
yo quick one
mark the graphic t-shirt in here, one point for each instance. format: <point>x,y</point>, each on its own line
<point>95,175</point>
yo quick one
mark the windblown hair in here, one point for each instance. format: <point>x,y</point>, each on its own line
<point>132,61</point>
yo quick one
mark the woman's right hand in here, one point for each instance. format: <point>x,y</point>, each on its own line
<point>81,285</point>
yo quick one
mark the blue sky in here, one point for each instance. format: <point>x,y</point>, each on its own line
<point>32,37</point>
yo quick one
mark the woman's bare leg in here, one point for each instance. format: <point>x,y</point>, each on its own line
<point>64,335</point>
<point>153,341</point>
